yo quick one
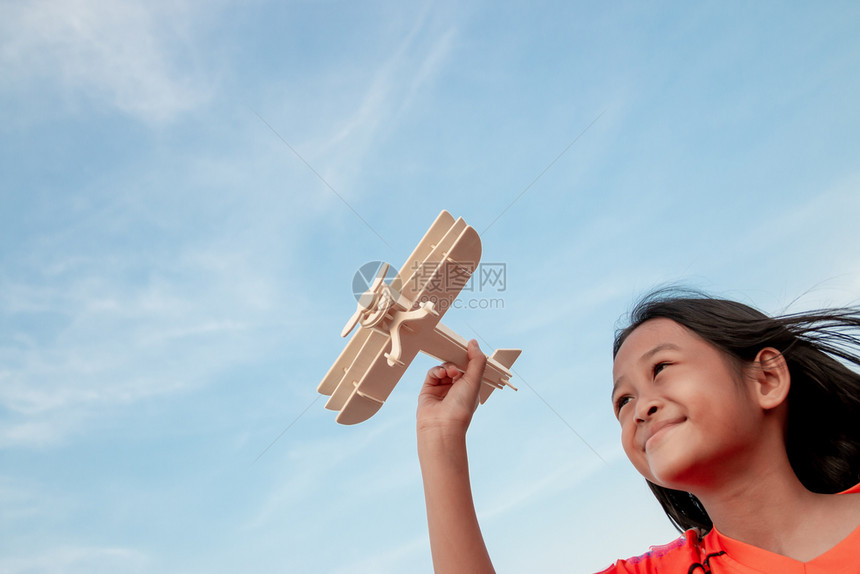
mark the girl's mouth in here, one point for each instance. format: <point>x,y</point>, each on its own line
<point>659,429</point>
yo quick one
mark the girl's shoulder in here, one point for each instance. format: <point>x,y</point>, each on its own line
<point>691,553</point>
<point>853,490</point>
<point>681,555</point>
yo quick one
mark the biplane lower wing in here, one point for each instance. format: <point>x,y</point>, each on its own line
<point>368,394</point>
<point>341,366</point>
<point>371,346</point>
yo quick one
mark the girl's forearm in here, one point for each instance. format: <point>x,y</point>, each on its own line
<point>456,542</point>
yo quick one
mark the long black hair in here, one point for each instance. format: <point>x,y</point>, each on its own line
<point>821,349</point>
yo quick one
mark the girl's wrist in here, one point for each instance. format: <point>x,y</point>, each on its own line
<point>435,431</point>
<point>441,440</point>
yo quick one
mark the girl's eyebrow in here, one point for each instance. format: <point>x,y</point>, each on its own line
<point>644,358</point>
<point>661,347</point>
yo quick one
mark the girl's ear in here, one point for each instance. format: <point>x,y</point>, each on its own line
<point>771,377</point>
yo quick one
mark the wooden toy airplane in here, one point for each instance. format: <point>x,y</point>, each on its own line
<point>401,318</point>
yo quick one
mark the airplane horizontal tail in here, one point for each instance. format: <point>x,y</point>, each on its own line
<point>506,357</point>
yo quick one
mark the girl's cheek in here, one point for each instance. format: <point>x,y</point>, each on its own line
<point>626,438</point>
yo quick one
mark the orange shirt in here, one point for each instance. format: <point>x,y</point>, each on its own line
<point>719,554</point>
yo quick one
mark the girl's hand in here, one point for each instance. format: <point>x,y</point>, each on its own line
<point>449,397</point>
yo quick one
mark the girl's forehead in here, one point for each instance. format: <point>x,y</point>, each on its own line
<point>650,335</point>
<point>658,328</point>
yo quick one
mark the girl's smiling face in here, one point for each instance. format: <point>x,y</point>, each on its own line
<point>687,414</point>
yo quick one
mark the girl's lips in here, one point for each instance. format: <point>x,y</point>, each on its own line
<point>659,429</point>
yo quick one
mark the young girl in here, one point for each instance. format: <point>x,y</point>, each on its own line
<point>746,427</point>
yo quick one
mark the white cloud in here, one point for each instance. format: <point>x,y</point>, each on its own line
<point>401,558</point>
<point>311,463</point>
<point>561,479</point>
<point>125,54</point>
<point>380,95</point>
<point>72,559</point>
<point>114,342</point>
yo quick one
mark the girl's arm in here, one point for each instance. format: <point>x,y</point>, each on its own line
<point>445,407</point>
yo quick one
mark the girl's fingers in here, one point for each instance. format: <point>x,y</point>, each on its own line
<point>451,371</point>
<point>435,375</point>
<point>474,368</point>
<point>448,373</point>
<point>477,363</point>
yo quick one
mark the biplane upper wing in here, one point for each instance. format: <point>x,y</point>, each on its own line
<point>362,377</point>
<point>446,269</point>
<point>411,272</point>
<point>441,264</point>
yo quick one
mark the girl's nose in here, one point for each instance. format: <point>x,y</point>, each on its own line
<point>647,409</point>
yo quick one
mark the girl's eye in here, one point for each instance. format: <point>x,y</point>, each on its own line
<point>621,401</point>
<point>659,367</point>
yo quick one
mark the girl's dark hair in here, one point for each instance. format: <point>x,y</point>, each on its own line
<point>823,434</point>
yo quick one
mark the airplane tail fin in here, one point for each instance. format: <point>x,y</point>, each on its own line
<point>485,392</point>
<point>504,357</point>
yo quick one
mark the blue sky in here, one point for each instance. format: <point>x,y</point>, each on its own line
<point>174,277</point>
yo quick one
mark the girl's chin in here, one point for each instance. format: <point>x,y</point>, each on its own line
<point>670,474</point>
<point>665,470</point>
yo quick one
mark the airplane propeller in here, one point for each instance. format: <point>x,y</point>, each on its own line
<point>372,304</point>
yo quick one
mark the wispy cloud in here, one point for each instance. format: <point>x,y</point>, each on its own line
<point>136,287</point>
<point>398,559</point>
<point>73,559</point>
<point>95,339</point>
<point>123,54</point>
<point>395,82</point>
<point>376,102</point>
<point>313,462</point>
<point>523,485</point>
